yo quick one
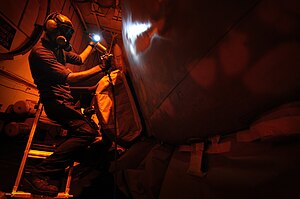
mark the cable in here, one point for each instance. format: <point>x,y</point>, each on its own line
<point>18,90</point>
<point>33,39</point>
<point>116,134</point>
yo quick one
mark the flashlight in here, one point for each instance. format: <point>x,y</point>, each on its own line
<point>96,37</point>
<point>98,46</point>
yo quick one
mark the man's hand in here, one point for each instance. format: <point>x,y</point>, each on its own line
<point>92,44</point>
<point>106,61</point>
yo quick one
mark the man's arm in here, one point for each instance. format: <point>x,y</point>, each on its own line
<point>75,77</point>
<point>85,53</point>
<point>87,50</point>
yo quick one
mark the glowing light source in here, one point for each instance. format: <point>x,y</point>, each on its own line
<point>96,37</point>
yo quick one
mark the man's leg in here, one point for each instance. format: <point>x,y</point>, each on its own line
<point>81,134</point>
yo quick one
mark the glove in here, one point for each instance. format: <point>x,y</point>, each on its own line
<point>92,44</point>
<point>106,60</point>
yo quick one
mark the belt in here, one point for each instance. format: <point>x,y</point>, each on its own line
<point>211,146</point>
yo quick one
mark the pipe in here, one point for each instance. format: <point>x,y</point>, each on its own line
<point>35,36</point>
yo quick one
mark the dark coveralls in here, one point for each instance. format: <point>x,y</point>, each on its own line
<point>47,65</point>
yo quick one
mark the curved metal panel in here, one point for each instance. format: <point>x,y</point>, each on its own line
<point>202,68</point>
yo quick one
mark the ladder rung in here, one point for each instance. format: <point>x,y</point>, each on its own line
<point>20,194</point>
<point>39,154</point>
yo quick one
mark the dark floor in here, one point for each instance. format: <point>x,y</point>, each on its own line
<point>89,182</point>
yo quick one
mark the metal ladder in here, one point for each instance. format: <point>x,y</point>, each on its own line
<point>30,153</point>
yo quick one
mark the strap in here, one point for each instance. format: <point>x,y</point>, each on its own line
<point>247,136</point>
<point>284,126</point>
<point>197,150</point>
<point>219,148</point>
<point>196,160</point>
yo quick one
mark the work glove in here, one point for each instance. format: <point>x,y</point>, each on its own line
<point>92,43</point>
<point>106,61</point>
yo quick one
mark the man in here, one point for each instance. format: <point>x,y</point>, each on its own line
<point>47,64</point>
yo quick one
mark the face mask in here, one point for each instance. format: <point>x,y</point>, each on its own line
<point>63,39</point>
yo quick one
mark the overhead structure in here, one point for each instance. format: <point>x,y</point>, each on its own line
<point>101,16</point>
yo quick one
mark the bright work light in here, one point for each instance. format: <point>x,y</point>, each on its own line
<point>96,37</point>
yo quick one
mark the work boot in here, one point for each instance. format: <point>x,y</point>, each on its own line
<point>40,185</point>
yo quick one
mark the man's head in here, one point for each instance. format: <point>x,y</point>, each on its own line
<point>59,29</point>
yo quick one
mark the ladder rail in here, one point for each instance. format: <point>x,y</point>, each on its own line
<point>27,149</point>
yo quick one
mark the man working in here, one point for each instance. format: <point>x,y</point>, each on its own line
<point>48,68</point>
